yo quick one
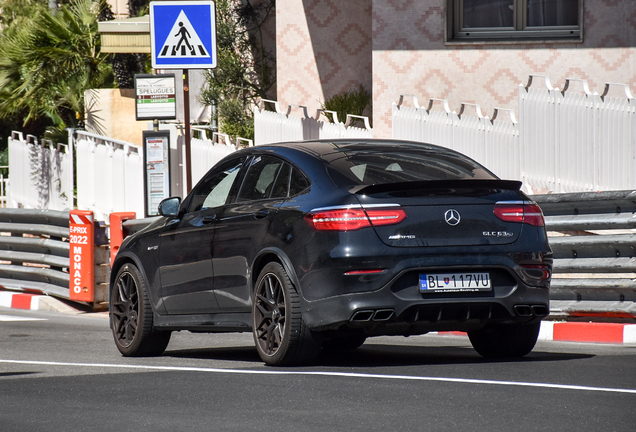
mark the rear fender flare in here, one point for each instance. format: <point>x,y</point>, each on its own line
<point>285,262</point>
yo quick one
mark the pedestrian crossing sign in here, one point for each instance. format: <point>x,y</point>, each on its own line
<point>183,34</point>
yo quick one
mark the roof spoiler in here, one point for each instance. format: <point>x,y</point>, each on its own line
<point>436,184</point>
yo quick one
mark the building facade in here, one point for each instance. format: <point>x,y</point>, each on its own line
<point>471,51</point>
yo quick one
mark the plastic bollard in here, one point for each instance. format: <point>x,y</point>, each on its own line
<point>117,231</point>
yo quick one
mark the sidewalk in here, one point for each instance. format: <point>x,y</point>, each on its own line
<point>550,330</point>
<point>15,300</point>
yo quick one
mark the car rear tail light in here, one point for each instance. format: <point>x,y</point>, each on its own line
<point>540,271</point>
<point>528,213</point>
<point>351,219</point>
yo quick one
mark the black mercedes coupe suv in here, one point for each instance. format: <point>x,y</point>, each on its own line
<point>321,244</point>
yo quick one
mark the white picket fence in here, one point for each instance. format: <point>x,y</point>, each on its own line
<point>278,125</point>
<point>109,172</point>
<point>206,153</point>
<point>109,175</point>
<point>41,174</point>
<point>564,141</point>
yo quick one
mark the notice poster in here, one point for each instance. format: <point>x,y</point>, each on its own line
<point>155,97</point>
<point>157,169</point>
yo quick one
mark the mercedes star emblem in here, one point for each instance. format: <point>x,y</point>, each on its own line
<point>452,217</point>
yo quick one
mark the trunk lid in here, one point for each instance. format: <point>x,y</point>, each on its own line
<point>445,213</point>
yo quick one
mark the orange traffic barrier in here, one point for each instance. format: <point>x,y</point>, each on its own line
<point>82,256</point>
<point>117,231</point>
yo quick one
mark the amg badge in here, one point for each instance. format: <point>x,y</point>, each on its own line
<point>401,237</point>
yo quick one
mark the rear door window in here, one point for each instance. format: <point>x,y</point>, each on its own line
<point>259,180</point>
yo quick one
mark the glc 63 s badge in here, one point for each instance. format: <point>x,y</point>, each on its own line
<point>497,234</point>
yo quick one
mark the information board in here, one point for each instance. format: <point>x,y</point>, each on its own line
<point>157,172</point>
<point>155,97</point>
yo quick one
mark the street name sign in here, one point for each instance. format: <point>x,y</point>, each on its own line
<point>183,34</point>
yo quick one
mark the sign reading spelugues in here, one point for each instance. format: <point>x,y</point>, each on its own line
<point>155,97</point>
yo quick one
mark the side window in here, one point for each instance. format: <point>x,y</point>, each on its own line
<point>216,186</point>
<point>260,178</point>
<point>298,182</point>
<point>515,19</point>
<point>281,186</point>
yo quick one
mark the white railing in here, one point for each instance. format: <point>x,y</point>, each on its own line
<point>109,172</point>
<point>278,125</point>
<point>483,139</point>
<point>109,175</point>
<point>206,153</point>
<point>564,141</point>
<point>41,174</point>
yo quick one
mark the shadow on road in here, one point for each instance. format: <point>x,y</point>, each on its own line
<point>243,354</point>
<point>378,355</point>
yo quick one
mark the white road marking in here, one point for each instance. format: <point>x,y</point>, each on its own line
<point>329,374</point>
<point>19,318</point>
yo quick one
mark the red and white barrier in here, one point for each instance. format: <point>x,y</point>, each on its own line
<point>82,256</point>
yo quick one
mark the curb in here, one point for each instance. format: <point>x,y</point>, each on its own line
<point>34,302</point>
<point>586,332</point>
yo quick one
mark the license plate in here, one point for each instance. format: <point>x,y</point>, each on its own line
<point>455,282</point>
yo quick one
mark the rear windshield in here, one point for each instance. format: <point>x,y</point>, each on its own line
<point>372,167</point>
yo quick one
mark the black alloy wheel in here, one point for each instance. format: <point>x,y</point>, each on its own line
<point>131,316</point>
<point>280,334</point>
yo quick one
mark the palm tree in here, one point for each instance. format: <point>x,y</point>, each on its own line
<point>49,61</point>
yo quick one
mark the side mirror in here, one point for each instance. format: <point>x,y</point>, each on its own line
<point>169,206</point>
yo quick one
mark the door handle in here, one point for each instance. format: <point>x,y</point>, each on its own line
<point>261,214</point>
<point>209,219</point>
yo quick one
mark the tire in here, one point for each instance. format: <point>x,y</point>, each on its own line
<point>510,340</point>
<point>350,342</point>
<point>280,335</point>
<point>131,316</point>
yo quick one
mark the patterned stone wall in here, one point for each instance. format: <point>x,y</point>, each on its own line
<point>323,48</point>
<point>326,46</point>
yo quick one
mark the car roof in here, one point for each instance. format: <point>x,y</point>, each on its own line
<point>328,146</point>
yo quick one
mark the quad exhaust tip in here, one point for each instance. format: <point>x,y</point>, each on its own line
<point>372,315</point>
<point>531,310</point>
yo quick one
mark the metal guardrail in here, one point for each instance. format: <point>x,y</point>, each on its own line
<point>595,253</point>
<point>592,235</point>
<point>34,252</point>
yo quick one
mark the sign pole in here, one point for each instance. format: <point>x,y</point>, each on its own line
<point>183,36</point>
<point>186,120</point>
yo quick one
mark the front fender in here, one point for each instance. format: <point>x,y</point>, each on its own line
<point>154,287</point>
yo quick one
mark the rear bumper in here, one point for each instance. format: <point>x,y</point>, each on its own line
<point>385,312</point>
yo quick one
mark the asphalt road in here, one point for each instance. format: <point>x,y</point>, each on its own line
<point>63,373</point>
